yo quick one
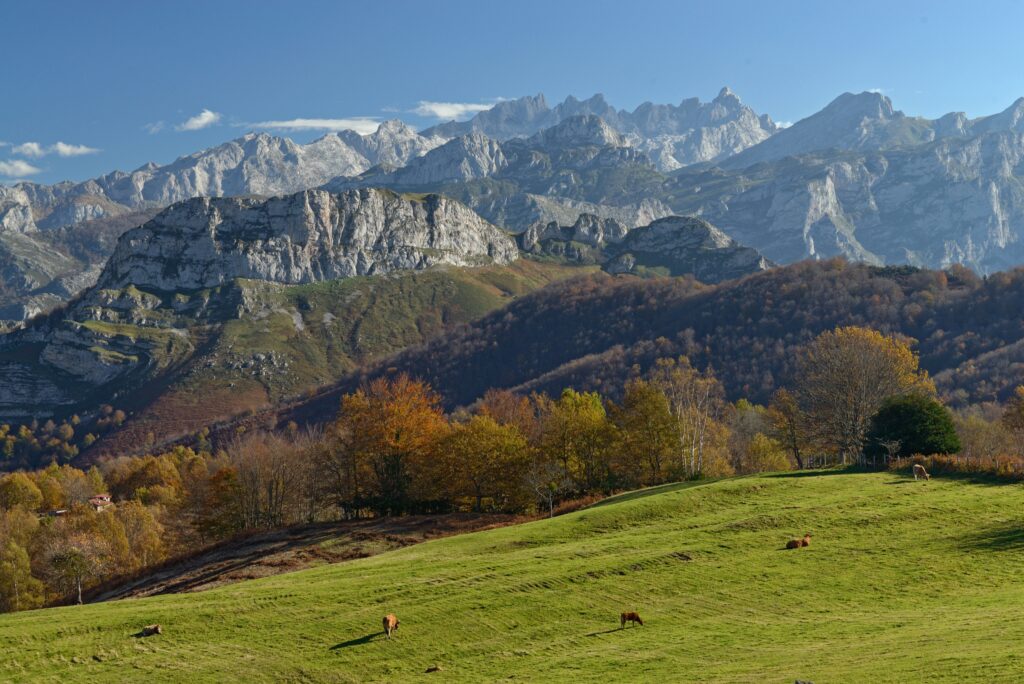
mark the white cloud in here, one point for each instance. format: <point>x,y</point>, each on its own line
<point>61,149</point>
<point>29,149</point>
<point>449,110</point>
<point>201,120</point>
<point>783,124</point>
<point>154,127</point>
<point>15,168</point>
<point>64,149</point>
<point>362,125</point>
<point>878,91</point>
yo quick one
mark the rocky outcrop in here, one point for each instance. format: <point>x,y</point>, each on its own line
<point>306,237</point>
<point>588,229</point>
<point>15,211</point>
<point>685,245</point>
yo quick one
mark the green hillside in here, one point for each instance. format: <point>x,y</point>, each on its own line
<point>904,582</point>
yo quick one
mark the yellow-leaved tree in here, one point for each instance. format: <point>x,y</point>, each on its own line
<point>844,376</point>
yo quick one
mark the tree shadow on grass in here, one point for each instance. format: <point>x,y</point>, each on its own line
<point>815,473</point>
<point>1009,538</point>
<point>357,642</point>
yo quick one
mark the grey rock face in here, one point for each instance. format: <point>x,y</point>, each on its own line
<point>393,143</point>
<point>588,229</point>
<point>306,237</point>
<point>578,131</point>
<point>15,211</point>
<point>463,159</point>
<point>685,245</point>
<point>950,201</point>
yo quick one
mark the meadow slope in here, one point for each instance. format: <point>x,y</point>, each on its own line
<point>905,581</point>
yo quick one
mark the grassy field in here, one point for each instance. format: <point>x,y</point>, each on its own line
<point>904,582</point>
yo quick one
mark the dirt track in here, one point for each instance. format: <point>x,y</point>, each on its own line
<point>295,548</point>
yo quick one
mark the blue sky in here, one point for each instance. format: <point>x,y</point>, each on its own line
<point>123,78</point>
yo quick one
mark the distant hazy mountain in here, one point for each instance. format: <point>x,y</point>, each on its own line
<point>579,166</point>
<point>255,164</point>
<point>954,200</point>
<point>867,121</point>
<point>673,135</point>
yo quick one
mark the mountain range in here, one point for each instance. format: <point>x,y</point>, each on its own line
<point>262,269</point>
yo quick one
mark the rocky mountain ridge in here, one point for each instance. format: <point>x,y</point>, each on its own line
<point>201,264</point>
<point>673,135</point>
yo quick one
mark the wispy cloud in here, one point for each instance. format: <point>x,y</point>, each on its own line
<point>783,124</point>
<point>16,168</point>
<point>61,149</point>
<point>64,149</point>
<point>29,149</point>
<point>449,110</point>
<point>879,91</point>
<point>154,127</point>
<point>203,119</point>
<point>362,125</point>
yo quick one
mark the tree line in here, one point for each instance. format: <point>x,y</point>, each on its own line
<point>858,397</point>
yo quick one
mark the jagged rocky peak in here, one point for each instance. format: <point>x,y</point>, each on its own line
<point>852,121</point>
<point>305,237</point>
<point>685,245</point>
<point>579,131</point>
<point>465,158</point>
<point>855,107</point>
<point>394,143</point>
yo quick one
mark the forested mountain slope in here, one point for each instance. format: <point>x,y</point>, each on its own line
<point>593,332</point>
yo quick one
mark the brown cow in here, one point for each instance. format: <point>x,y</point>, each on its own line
<point>390,624</point>
<point>631,617</point>
<point>798,543</point>
<point>920,471</point>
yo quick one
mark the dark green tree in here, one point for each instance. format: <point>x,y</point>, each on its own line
<point>912,424</point>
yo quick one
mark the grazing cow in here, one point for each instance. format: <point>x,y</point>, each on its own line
<point>631,617</point>
<point>798,543</point>
<point>919,471</point>
<point>390,624</point>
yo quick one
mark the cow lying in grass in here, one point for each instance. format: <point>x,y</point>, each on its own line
<point>798,543</point>
<point>390,624</point>
<point>919,471</point>
<point>150,630</point>
<point>631,617</point>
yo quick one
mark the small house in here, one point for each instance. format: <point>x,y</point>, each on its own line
<point>101,502</point>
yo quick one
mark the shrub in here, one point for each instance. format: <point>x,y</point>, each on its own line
<point>920,425</point>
